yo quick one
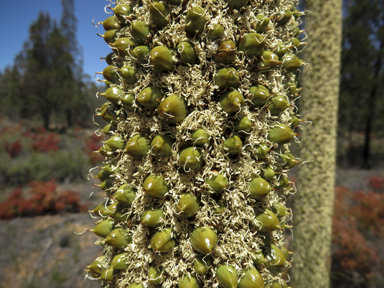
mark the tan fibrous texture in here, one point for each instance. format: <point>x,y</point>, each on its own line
<point>239,234</point>
<point>315,180</point>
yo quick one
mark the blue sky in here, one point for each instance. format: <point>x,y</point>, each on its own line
<point>17,16</point>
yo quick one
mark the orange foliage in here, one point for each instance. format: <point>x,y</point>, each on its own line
<point>44,199</point>
<point>351,250</point>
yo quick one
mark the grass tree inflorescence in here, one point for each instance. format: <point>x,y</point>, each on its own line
<point>199,116</point>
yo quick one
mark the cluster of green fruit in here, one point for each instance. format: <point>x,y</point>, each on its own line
<point>200,111</point>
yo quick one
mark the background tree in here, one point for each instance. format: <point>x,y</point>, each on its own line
<point>315,181</point>
<point>363,43</point>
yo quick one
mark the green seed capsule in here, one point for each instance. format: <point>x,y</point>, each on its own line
<point>260,95</point>
<point>110,73</point>
<point>227,77</point>
<point>203,240</point>
<point>128,74</point>
<point>119,262</point>
<point>102,176</point>
<point>150,97</point>
<point>115,143</point>
<point>227,276</point>
<point>161,146</point>
<point>218,183</point>
<point>109,58</point>
<point>231,101</point>
<point>269,173</point>
<point>103,228</point>
<point>109,169</point>
<point>105,151</point>
<point>160,59</point>
<point>98,266</point>
<point>109,129</point>
<point>195,20</point>
<point>221,209</point>
<point>188,281</point>
<point>258,258</point>
<point>109,36</point>
<point>280,210</point>
<point>152,218</point>
<point>293,89</point>
<point>187,206</point>
<point>233,146</point>
<point>135,285</point>
<point>113,95</point>
<point>269,60</point>
<point>276,258</point>
<point>259,188</point>
<point>262,23</point>
<point>118,238</point>
<point>141,53</point>
<point>202,264</point>
<point>100,210</point>
<point>236,4</point>
<point>288,160</point>
<point>127,100</point>
<point>105,185</point>
<point>291,62</point>
<point>162,241</point>
<point>262,151</point>
<point>107,83</point>
<point>294,121</point>
<point>154,275</point>
<point>216,33</point>
<point>190,158</point>
<point>159,14</point>
<point>280,134</point>
<point>172,109</point>
<point>281,50</point>
<point>118,212</point>
<point>273,285</point>
<point>284,16</point>
<point>187,53</point>
<point>277,104</point>
<point>140,32</point>
<point>108,275</point>
<point>251,279</point>
<point>269,221</point>
<point>122,45</point>
<point>226,53</point>
<point>137,146</point>
<point>200,137</point>
<point>125,195</point>
<point>174,2</point>
<point>252,44</point>
<point>156,186</point>
<point>110,23</point>
<point>297,43</point>
<point>121,11</point>
<point>282,182</point>
<point>243,125</point>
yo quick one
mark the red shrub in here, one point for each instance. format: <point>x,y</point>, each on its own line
<point>46,143</point>
<point>13,149</point>
<point>355,215</point>
<point>376,182</point>
<point>93,144</point>
<point>43,199</point>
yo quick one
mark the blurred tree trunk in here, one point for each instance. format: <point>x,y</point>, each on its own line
<point>315,180</point>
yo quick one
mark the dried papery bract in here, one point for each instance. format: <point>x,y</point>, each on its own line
<point>200,115</point>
